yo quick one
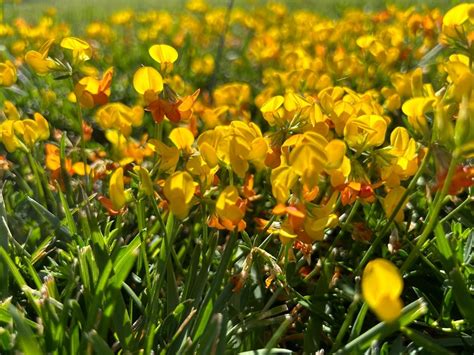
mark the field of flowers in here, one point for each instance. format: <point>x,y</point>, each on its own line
<point>238,180</point>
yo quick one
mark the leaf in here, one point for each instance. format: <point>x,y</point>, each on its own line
<point>99,344</point>
<point>382,330</point>
<point>25,336</point>
<point>425,342</point>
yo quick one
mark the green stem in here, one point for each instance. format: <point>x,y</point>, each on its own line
<point>399,205</point>
<point>143,237</point>
<point>456,210</point>
<point>345,326</point>
<point>433,220</point>
<point>37,178</point>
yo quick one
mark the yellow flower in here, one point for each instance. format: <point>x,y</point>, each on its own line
<point>308,159</point>
<point>229,206</point>
<point>197,166</point>
<point>7,74</point>
<point>391,201</point>
<point>179,191</point>
<point>92,92</point>
<point>117,190</point>
<point>457,20</point>
<point>365,131</point>
<point>169,156</point>
<point>80,49</point>
<point>165,55</point>
<point>119,116</point>
<point>415,110</point>
<point>8,136</point>
<point>320,218</point>
<point>183,139</point>
<point>10,111</point>
<point>382,286</point>
<point>282,179</point>
<point>203,65</point>
<point>42,126</point>
<point>147,81</point>
<point>272,109</point>
<point>39,61</point>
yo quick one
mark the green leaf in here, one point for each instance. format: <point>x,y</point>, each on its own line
<point>462,296</point>
<point>382,330</point>
<point>26,337</point>
<point>99,344</point>
<point>425,342</point>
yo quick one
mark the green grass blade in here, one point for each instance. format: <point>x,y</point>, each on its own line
<point>410,313</point>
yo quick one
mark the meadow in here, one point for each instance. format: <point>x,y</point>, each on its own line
<point>236,177</point>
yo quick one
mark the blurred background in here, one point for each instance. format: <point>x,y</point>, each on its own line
<point>78,10</point>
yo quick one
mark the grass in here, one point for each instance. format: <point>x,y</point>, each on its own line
<point>78,275</point>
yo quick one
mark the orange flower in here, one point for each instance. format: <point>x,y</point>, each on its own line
<point>91,92</point>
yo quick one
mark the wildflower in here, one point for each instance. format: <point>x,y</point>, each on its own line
<point>382,286</point>
<point>179,191</point>
<point>175,109</point>
<point>365,131</point>
<point>230,209</point>
<point>148,82</point>
<point>402,156</point>
<point>117,190</point>
<point>415,110</point>
<point>10,111</point>
<point>80,49</point>
<point>458,21</point>
<point>391,201</point>
<point>91,92</point>
<point>182,139</point>
<point>165,55</point>
<point>169,156</point>
<point>308,158</point>
<point>119,116</point>
<point>7,74</point>
<point>39,60</point>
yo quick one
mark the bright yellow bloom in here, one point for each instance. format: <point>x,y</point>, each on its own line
<point>229,206</point>
<point>39,61</point>
<point>382,286</point>
<point>10,111</point>
<point>283,179</point>
<point>458,21</point>
<point>415,110</point>
<point>319,218</point>
<point>118,116</point>
<point>179,191</point>
<point>91,91</point>
<point>7,74</point>
<point>403,158</point>
<point>165,55</point>
<point>308,158</point>
<point>169,156</point>
<point>365,131</point>
<point>183,139</point>
<point>147,81</point>
<point>117,190</point>
<point>8,136</point>
<point>391,201</point>
<point>272,109</point>
<point>80,49</point>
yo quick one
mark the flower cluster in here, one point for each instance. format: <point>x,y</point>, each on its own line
<point>317,123</point>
